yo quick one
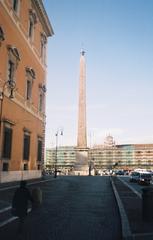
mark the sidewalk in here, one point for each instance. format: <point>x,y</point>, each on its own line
<point>132,205</point>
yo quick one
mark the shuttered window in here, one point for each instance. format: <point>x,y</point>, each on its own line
<point>11,70</point>
<point>29,89</point>
<point>5,167</point>
<point>7,143</point>
<point>15,5</point>
<point>31,28</point>
<point>39,151</point>
<point>26,146</point>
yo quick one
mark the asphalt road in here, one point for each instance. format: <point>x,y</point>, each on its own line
<point>74,208</point>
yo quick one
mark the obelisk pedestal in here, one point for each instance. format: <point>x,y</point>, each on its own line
<point>81,167</point>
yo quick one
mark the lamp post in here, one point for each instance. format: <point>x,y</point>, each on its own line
<point>11,86</point>
<point>59,132</point>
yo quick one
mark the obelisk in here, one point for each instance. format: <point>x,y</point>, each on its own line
<point>81,166</point>
<point>82,136</point>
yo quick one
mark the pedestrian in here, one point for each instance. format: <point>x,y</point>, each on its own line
<point>20,201</point>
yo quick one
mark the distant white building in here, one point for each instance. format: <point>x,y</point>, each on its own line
<point>105,156</point>
<point>63,157</point>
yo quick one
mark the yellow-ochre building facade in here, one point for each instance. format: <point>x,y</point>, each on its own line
<point>24,30</point>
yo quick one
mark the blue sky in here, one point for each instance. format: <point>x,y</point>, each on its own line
<point>117,36</point>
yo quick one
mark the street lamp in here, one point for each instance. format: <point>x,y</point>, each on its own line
<point>11,86</point>
<point>59,132</point>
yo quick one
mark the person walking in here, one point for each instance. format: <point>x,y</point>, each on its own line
<point>20,201</point>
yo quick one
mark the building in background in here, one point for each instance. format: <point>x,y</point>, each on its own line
<point>66,158</point>
<point>24,29</point>
<point>107,156</point>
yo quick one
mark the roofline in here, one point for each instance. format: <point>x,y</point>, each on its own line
<point>42,14</point>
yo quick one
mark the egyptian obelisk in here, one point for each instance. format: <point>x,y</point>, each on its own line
<point>81,166</point>
<point>82,136</point>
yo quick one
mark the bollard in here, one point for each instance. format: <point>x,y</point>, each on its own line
<point>147,204</point>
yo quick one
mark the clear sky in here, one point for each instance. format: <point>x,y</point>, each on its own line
<point>117,36</point>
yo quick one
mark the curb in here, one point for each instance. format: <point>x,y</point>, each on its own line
<point>134,236</point>
<point>126,231</point>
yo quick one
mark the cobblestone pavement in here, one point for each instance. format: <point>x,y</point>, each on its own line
<point>74,208</point>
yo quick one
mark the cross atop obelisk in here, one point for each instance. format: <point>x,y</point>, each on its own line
<point>82,136</point>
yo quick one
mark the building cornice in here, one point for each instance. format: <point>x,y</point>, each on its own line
<point>42,15</point>
<point>32,48</point>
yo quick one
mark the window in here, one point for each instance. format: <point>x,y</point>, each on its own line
<point>30,75</point>
<point>40,102</point>
<point>7,142</point>
<point>29,90</point>
<point>43,47</point>
<point>39,167</point>
<point>16,6</point>
<point>13,60</point>
<point>31,28</point>
<point>11,69</point>
<point>2,38</point>
<point>5,166</point>
<point>39,150</point>
<point>139,152</point>
<point>25,166</point>
<point>42,91</point>
<point>26,146</point>
<point>32,22</point>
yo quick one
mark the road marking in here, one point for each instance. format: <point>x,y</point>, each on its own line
<point>7,221</point>
<point>5,209</point>
<point>11,219</point>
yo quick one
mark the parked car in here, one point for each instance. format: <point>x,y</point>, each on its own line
<point>144,178</point>
<point>134,176</point>
<point>119,172</point>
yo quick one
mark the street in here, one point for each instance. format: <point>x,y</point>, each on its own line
<point>135,187</point>
<point>78,208</point>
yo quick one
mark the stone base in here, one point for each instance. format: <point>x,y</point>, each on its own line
<point>81,167</point>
